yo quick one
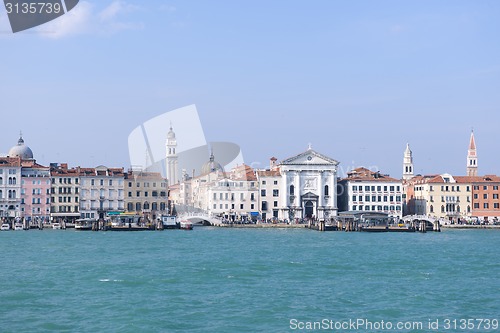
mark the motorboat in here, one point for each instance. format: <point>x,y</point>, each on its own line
<point>186,225</point>
<point>5,227</point>
<point>84,224</point>
<point>56,225</point>
<point>18,226</point>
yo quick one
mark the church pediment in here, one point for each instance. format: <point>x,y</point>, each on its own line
<point>309,196</point>
<point>310,157</point>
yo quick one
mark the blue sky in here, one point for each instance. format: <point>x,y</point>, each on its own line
<point>357,79</point>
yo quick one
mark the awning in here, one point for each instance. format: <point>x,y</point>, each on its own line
<point>254,213</point>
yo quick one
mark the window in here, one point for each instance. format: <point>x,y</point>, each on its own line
<point>373,188</point>
<point>391,189</point>
<point>485,196</point>
<point>138,206</point>
<point>374,198</point>
<point>138,193</point>
<point>367,198</point>
<point>379,188</point>
<point>92,182</point>
<point>252,206</point>
<point>275,204</point>
<point>486,205</point>
<point>292,190</point>
<point>495,196</point>
<point>476,205</point>
<point>391,198</point>
<point>102,182</point>
<point>398,198</point>
<point>367,188</point>
<point>379,198</point>
<point>432,209</point>
<point>354,188</point>
<point>111,182</point>
<point>496,205</point>
<point>354,207</point>
<point>276,193</point>
<point>252,196</point>
<point>385,189</point>
<point>442,209</point>
<point>431,188</point>
<point>264,205</point>
<point>485,188</point>
<point>275,182</point>
<point>241,206</point>
<point>262,193</point>
<point>327,189</point>
<point>495,188</point>
<point>385,198</point>
<point>354,198</point>
<point>360,198</point>
<point>263,182</point>
<point>475,196</point>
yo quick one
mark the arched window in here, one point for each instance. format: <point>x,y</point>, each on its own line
<point>326,190</point>
<point>162,206</point>
<point>458,209</point>
<point>138,207</point>
<point>468,209</point>
<point>292,190</point>
<point>130,207</point>
<point>442,209</point>
<point>154,206</point>
<point>14,180</point>
<point>146,205</point>
<point>432,209</point>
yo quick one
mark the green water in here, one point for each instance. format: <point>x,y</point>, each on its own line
<point>245,280</point>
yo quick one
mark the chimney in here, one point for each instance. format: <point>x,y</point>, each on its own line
<point>64,166</point>
<point>273,163</point>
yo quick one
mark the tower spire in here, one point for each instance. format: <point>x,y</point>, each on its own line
<point>472,156</point>
<point>408,163</point>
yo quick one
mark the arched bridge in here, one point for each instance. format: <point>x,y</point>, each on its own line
<point>422,221</point>
<point>200,218</point>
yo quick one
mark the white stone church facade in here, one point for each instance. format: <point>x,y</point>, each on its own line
<point>308,186</point>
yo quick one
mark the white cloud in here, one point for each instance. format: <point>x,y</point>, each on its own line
<point>167,8</point>
<point>115,8</point>
<point>74,22</point>
<point>85,19</point>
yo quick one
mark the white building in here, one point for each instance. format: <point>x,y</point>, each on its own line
<point>365,190</point>
<point>308,186</point>
<point>10,187</point>
<point>101,191</point>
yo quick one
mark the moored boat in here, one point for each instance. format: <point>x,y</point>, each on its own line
<point>5,227</point>
<point>186,225</point>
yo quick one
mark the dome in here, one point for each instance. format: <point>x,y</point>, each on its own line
<point>21,150</point>
<point>211,166</point>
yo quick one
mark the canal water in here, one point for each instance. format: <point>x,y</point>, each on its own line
<point>246,280</point>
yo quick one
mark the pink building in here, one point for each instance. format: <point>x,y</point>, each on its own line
<point>35,192</point>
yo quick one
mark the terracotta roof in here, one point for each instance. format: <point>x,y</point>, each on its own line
<point>363,174</point>
<point>10,161</point>
<point>269,173</point>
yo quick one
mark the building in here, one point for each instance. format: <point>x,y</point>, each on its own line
<point>442,196</point>
<point>233,196</point>
<point>64,193</point>
<point>10,188</point>
<point>146,194</point>
<point>308,187</point>
<point>101,191</point>
<point>269,182</point>
<point>365,190</point>
<point>11,193</point>
<point>35,192</point>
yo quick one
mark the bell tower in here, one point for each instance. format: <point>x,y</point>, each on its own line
<point>408,163</point>
<point>171,160</point>
<point>472,157</point>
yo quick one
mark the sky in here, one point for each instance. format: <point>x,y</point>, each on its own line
<point>355,79</point>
